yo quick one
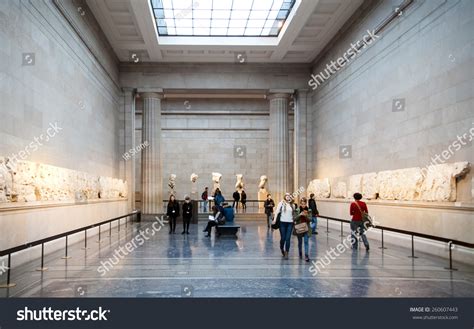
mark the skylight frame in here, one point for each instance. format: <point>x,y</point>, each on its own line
<point>192,15</point>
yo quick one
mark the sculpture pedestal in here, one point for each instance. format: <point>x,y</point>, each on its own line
<point>262,196</point>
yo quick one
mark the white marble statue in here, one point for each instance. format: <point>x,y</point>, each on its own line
<point>263,181</point>
<point>172,183</point>
<point>216,179</point>
<point>262,192</point>
<point>193,179</point>
<point>239,185</point>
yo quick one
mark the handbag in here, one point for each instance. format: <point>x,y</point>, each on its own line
<point>276,226</point>
<point>301,228</point>
<point>366,219</point>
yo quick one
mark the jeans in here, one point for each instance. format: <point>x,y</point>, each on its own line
<point>314,223</point>
<point>358,226</point>
<point>269,219</point>
<point>306,246</point>
<point>286,229</point>
<point>204,206</point>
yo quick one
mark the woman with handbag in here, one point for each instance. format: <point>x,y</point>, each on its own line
<point>284,216</point>
<point>172,212</point>
<point>303,231</point>
<point>358,210</point>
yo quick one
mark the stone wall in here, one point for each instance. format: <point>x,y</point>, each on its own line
<point>204,140</point>
<point>49,76</point>
<point>60,109</point>
<point>405,101</point>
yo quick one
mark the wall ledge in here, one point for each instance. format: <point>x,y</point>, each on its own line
<point>465,206</point>
<point>16,206</point>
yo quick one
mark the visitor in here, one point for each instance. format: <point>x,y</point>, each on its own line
<point>218,198</point>
<point>269,204</point>
<point>172,212</point>
<point>236,197</point>
<point>187,214</point>
<point>243,200</point>
<point>303,204</point>
<point>204,197</point>
<point>303,217</point>
<point>285,209</point>
<point>213,220</point>
<point>357,225</point>
<point>314,213</point>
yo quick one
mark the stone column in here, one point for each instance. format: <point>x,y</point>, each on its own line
<point>300,143</point>
<point>129,143</point>
<point>278,156</point>
<point>152,194</point>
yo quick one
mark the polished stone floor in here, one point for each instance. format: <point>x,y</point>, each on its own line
<point>248,266</point>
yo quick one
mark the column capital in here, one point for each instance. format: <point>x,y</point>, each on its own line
<point>128,89</point>
<point>151,92</point>
<point>280,93</point>
<point>302,92</point>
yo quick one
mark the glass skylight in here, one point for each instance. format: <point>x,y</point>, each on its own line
<point>221,18</point>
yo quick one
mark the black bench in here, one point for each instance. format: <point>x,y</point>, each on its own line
<point>227,229</point>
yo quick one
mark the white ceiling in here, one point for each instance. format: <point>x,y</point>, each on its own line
<point>131,31</point>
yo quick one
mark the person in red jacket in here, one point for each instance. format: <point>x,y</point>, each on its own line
<point>357,225</point>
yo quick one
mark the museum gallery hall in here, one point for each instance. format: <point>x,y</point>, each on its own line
<point>270,148</point>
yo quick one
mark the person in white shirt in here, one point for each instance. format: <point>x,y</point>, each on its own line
<point>285,207</point>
